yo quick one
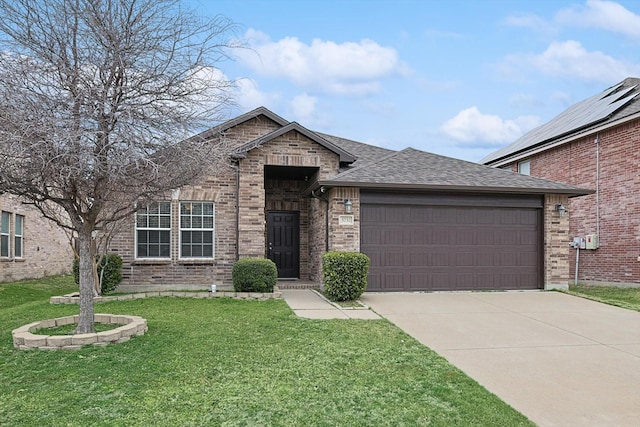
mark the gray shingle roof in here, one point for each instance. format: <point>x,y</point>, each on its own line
<point>377,167</point>
<point>415,169</point>
<point>614,103</point>
<point>365,153</point>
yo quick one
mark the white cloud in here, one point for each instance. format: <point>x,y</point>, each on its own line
<point>303,108</point>
<point>607,15</point>
<point>346,68</point>
<point>250,97</point>
<point>532,22</point>
<point>571,59</point>
<point>473,128</point>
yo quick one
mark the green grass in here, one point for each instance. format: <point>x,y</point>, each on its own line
<point>621,297</point>
<point>224,362</point>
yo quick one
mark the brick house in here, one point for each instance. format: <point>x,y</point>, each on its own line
<point>427,222</point>
<point>594,144</point>
<point>31,246</point>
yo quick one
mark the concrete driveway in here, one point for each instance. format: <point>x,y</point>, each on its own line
<point>558,359</point>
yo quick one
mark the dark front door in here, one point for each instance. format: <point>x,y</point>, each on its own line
<point>283,242</point>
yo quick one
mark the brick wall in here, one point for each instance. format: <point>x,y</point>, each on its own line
<point>619,200</point>
<point>290,149</point>
<point>317,237</point>
<point>220,189</point>
<point>255,198</point>
<point>556,242</point>
<point>182,273</point>
<point>46,248</point>
<point>344,237</point>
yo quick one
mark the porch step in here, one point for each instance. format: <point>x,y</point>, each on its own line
<point>297,284</point>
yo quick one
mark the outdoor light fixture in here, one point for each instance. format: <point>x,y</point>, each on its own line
<point>561,209</point>
<point>348,206</point>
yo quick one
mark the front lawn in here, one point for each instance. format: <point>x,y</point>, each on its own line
<point>231,362</point>
<point>621,297</point>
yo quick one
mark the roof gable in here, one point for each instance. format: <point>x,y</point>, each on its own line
<point>415,169</point>
<point>260,111</point>
<point>345,157</point>
<point>613,103</point>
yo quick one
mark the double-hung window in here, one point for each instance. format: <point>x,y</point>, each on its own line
<point>5,234</point>
<point>196,229</point>
<point>17,236</point>
<point>153,231</point>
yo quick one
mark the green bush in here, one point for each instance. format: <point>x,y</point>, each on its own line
<point>254,275</point>
<point>109,269</point>
<point>345,275</point>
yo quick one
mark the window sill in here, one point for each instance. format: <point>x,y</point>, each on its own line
<point>12,260</point>
<point>149,261</point>
<point>196,261</point>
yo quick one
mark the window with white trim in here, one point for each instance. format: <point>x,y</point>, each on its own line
<point>153,231</point>
<point>196,229</point>
<point>524,167</point>
<point>5,235</point>
<point>17,236</point>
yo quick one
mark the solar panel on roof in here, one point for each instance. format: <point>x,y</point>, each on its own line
<point>580,115</point>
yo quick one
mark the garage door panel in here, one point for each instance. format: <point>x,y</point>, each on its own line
<point>441,259</point>
<point>397,214</point>
<point>485,259</point>
<point>451,247</point>
<point>507,259</point>
<point>373,214</point>
<point>370,236</point>
<point>486,217</point>
<point>394,236</point>
<point>443,215</point>
<point>465,259</point>
<point>486,237</point>
<point>418,258</point>
<point>527,259</point>
<point>441,236</point>
<point>420,236</point>
<point>393,259</point>
<point>465,236</point>
<point>393,281</point>
<point>528,238</point>
<point>421,215</point>
<point>528,217</point>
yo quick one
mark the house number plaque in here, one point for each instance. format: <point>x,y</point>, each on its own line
<point>346,220</point>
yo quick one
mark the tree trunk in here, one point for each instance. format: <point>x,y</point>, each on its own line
<point>87,286</point>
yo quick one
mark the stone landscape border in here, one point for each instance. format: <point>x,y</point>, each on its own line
<point>25,339</point>
<point>74,299</point>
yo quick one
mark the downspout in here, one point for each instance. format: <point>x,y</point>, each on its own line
<point>326,217</point>
<point>236,166</point>
<point>598,187</point>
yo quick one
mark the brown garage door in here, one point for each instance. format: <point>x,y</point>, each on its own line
<point>439,242</point>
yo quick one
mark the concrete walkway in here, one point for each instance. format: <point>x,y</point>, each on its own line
<point>558,359</point>
<point>311,305</point>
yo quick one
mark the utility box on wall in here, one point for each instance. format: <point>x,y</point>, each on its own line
<point>591,241</point>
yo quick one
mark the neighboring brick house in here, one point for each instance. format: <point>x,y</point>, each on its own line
<point>427,222</point>
<point>594,144</point>
<point>30,246</point>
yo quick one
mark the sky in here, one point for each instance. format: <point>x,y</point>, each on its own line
<point>456,78</point>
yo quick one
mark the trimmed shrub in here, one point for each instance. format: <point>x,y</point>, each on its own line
<point>344,275</point>
<point>109,272</point>
<point>254,275</point>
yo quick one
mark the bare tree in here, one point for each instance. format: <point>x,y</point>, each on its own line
<point>96,98</point>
